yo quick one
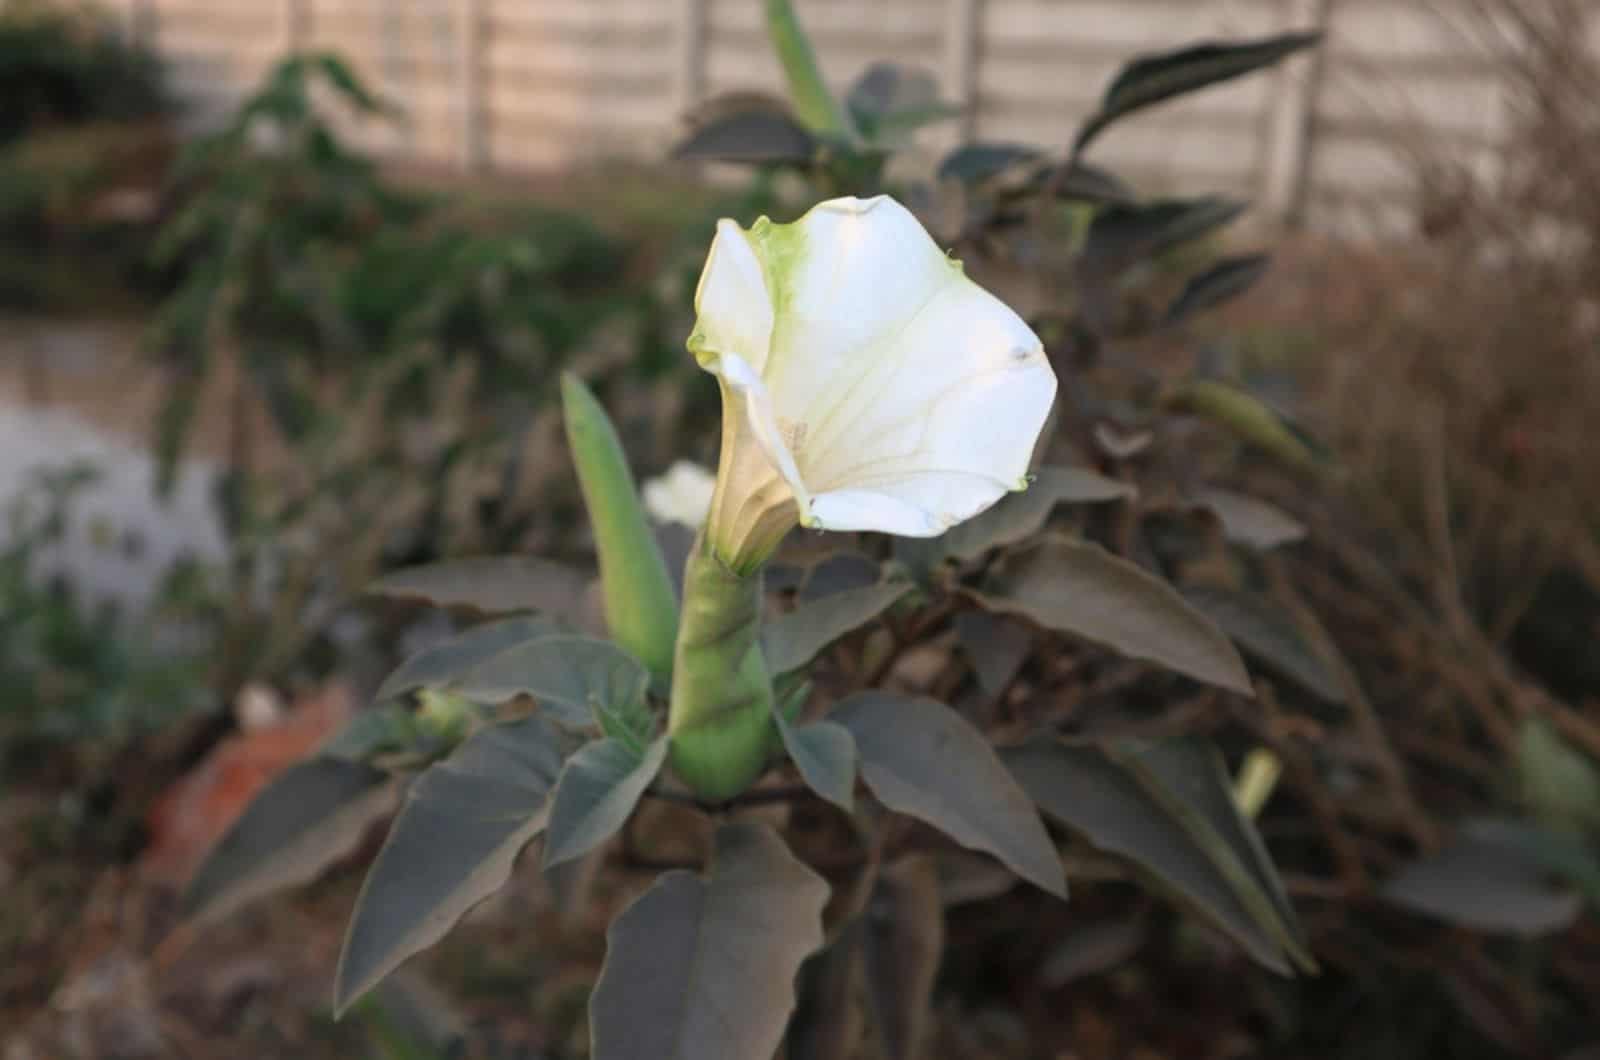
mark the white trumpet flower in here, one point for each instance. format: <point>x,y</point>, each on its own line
<point>867,383</point>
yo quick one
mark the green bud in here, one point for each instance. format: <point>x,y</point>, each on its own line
<point>641,607</point>
<point>814,105</point>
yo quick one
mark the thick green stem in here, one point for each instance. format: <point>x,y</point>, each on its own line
<point>720,721</point>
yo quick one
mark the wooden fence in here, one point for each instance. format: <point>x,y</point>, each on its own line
<point>532,84</point>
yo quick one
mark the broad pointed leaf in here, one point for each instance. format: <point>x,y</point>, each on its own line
<point>493,585</point>
<point>903,943</point>
<point>705,967</point>
<point>1217,285</point>
<point>1017,516</point>
<point>922,759</point>
<point>372,732</point>
<point>1269,635</point>
<point>996,645</point>
<point>747,129</point>
<point>825,754</point>
<point>308,817</point>
<point>1564,855</point>
<point>1078,181</point>
<point>1124,234</point>
<point>1486,880</point>
<point>1151,79</point>
<point>1096,797</point>
<point>570,676</point>
<point>792,640</point>
<point>599,787</point>
<point>889,100</point>
<point>975,163</point>
<point>1191,780</point>
<point>452,845</point>
<point>1252,522</point>
<point>1079,588</point>
<point>449,659</point>
<point>837,573</point>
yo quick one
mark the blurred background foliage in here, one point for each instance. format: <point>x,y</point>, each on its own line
<point>1370,466</point>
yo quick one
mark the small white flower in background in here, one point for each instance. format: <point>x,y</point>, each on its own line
<point>682,495</point>
<point>867,383</point>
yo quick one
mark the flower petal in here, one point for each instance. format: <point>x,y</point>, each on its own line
<point>847,278</point>
<point>846,510</point>
<point>964,387</point>
<point>919,504</point>
<point>733,306</point>
<point>763,423</point>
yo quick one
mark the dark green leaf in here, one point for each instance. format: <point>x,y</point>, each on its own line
<point>922,759</point>
<point>705,967</point>
<point>837,573</point>
<point>1015,517</point>
<point>599,787</point>
<point>349,85</point>
<point>308,817</point>
<point>451,658</point>
<point>1269,635</point>
<point>757,130</point>
<point>1221,283</point>
<point>1079,588</point>
<point>452,845</point>
<point>1079,182</point>
<point>1192,781</point>
<point>792,640</point>
<point>491,584</point>
<point>1561,854</point>
<point>889,100</point>
<point>996,646</point>
<point>1151,79</point>
<point>1099,799</point>
<point>903,942</point>
<point>975,163</point>
<point>370,733</point>
<point>1252,522</point>
<point>571,677</point>
<point>1125,234</point>
<point>825,754</point>
<point>1487,880</point>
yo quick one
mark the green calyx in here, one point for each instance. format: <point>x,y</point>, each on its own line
<point>641,606</point>
<point>720,720</point>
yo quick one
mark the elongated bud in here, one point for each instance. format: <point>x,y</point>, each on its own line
<point>813,103</point>
<point>641,607</point>
<point>720,720</point>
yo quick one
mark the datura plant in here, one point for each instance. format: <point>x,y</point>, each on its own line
<point>896,668</point>
<point>868,386</point>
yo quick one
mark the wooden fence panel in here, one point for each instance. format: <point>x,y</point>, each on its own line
<point>520,84</point>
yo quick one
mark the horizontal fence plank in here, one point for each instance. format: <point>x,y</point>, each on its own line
<point>554,82</point>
